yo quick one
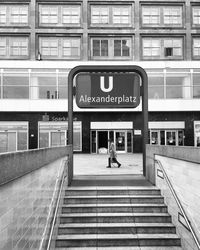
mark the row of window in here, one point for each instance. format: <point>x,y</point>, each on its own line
<point>99,48</point>
<point>52,84</point>
<point>104,14</point>
<point>14,135</point>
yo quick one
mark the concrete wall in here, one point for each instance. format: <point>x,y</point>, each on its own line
<point>14,165</point>
<point>190,154</point>
<point>182,166</point>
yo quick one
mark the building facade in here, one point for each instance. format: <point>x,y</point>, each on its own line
<point>41,40</point>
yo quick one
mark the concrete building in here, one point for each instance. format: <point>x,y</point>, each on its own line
<point>41,40</point>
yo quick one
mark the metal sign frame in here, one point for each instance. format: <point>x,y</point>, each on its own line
<point>108,69</point>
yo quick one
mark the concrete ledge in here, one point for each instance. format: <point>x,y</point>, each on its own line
<point>17,164</point>
<point>190,154</point>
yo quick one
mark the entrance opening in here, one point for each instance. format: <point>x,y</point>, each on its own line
<point>102,140</point>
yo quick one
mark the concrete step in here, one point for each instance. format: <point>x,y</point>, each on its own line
<point>107,208</point>
<point>113,199</point>
<point>116,228</point>
<point>105,240</point>
<point>112,191</point>
<point>122,248</point>
<point>115,218</point>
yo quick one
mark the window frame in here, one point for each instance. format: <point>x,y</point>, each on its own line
<point>162,16</point>
<point>111,22</point>
<point>162,56</point>
<point>111,55</point>
<point>8,22</point>
<point>193,24</point>
<point>8,54</point>
<point>60,41</point>
<point>60,15</point>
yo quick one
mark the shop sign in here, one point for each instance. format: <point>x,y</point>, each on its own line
<point>107,90</point>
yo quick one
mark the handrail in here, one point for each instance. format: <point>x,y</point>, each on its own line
<point>179,204</point>
<point>64,172</point>
<point>57,205</point>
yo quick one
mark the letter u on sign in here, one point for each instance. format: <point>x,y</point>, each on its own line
<point>102,84</point>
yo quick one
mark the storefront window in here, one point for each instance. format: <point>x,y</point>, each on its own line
<point>62,85</point>
<point>196,84</point>
<point>53,134</point>
<point>13,136</point>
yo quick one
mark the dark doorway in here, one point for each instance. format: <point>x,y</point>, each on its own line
<point>102,139</point>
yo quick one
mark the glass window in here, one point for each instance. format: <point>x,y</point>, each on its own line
<point>197,133</point>
<point>49,47</point>
<point>48,14</point>
<point>99,14</point>
<point>19,14</point>
<point>174,87</point>
<point>151,47</point>
<point>122,48</point>
<point>71,48</point>
<point>100,47</point>
<point>156,85</point>
<point>13,136</point>
<point>176,45</point>
<point>71,15</point>
<point>62,86</point>
<point>2,14</point>
<point>196,47</point>
<point>44,86</point>
<point>150,15</point>
<point>172,15</point>
<point>196,85</point>
<point>121,15</point>
<point>196,15</point>
<point>44,140</point>
<point>2,46</point>
<point>18,46</point>
<point>16,85</point>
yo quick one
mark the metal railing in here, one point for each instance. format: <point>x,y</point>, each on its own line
<point>179,205</point>
<point>54,208</point>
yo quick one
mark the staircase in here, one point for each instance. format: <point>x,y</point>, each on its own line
<point>115,218</point>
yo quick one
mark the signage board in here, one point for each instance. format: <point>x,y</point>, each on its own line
<point>107,90</point>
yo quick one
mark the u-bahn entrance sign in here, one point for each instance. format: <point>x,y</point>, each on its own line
<point>107,90</point>
<point>108,87</point>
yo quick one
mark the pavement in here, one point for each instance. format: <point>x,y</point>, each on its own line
<point>95,164</point>
<point>90,170</point>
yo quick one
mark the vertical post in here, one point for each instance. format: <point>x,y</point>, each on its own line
<point>70,124</point>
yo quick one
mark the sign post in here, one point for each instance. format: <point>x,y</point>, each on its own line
<point>108,87</point>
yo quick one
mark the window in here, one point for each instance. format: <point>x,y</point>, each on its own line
<point>121,15</point>
<point>162,48</point>
<point>53,134</point>
<point>196,47</point>
<point>196,15</point>
<point>14,47</point>
<point>121,48</point>
<point>111,15</point>
<point>151,15</point>
<point>170,16</point>
<point>173,47</point>
<point>112,48</point>
<point>14,15</point>
<point>13,136</point>
<point>19,14</point>
<point>196,83</point>
<point>59,15</point>
<point>151,47</point>
<point>99,15</point>
<point>71,15</point>
<point>60,47</point>
<point>100,47</point>
<point>156,84</point>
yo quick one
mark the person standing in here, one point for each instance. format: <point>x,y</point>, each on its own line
<point>113,155</point>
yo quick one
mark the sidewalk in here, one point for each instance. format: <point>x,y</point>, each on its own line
<point>95,164</point>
